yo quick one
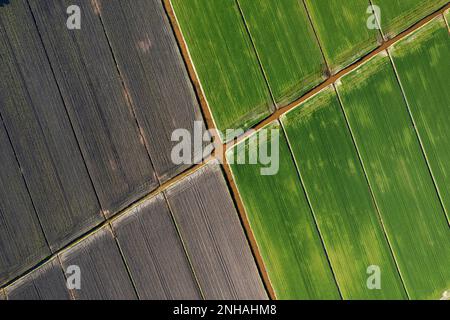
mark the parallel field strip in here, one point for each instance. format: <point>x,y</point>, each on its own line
<point>425,91</point>
<point>344,208</point>
<point>281,220</point>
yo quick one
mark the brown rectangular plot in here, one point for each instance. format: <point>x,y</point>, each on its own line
<point>214,238</point>
<point>22,242</point>
<point>154,252</point>
<point>103,272</point>
<point>41,133</point>
<point>45,283</point>
<point>97,103</point>
<point>154,74</point>
<point>2,295</point>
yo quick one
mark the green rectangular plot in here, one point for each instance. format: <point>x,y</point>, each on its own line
<point>342,30</point>
<point>398,15</point>
<point>426,90</point>
<point>225,62</point>
<point>339,194</point>
<point>286,45</point>
<point>281,219</point>
<point>398,175</point>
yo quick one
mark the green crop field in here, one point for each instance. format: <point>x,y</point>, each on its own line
<point>364,168</point>
<point>398,15</point>
<point>225,62</point>
<point>343,206</point>
<point>282,223</point>
<point>286,45</point>
<point>342,30</point>
<point>398,175</point>
<point>426,90</point>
